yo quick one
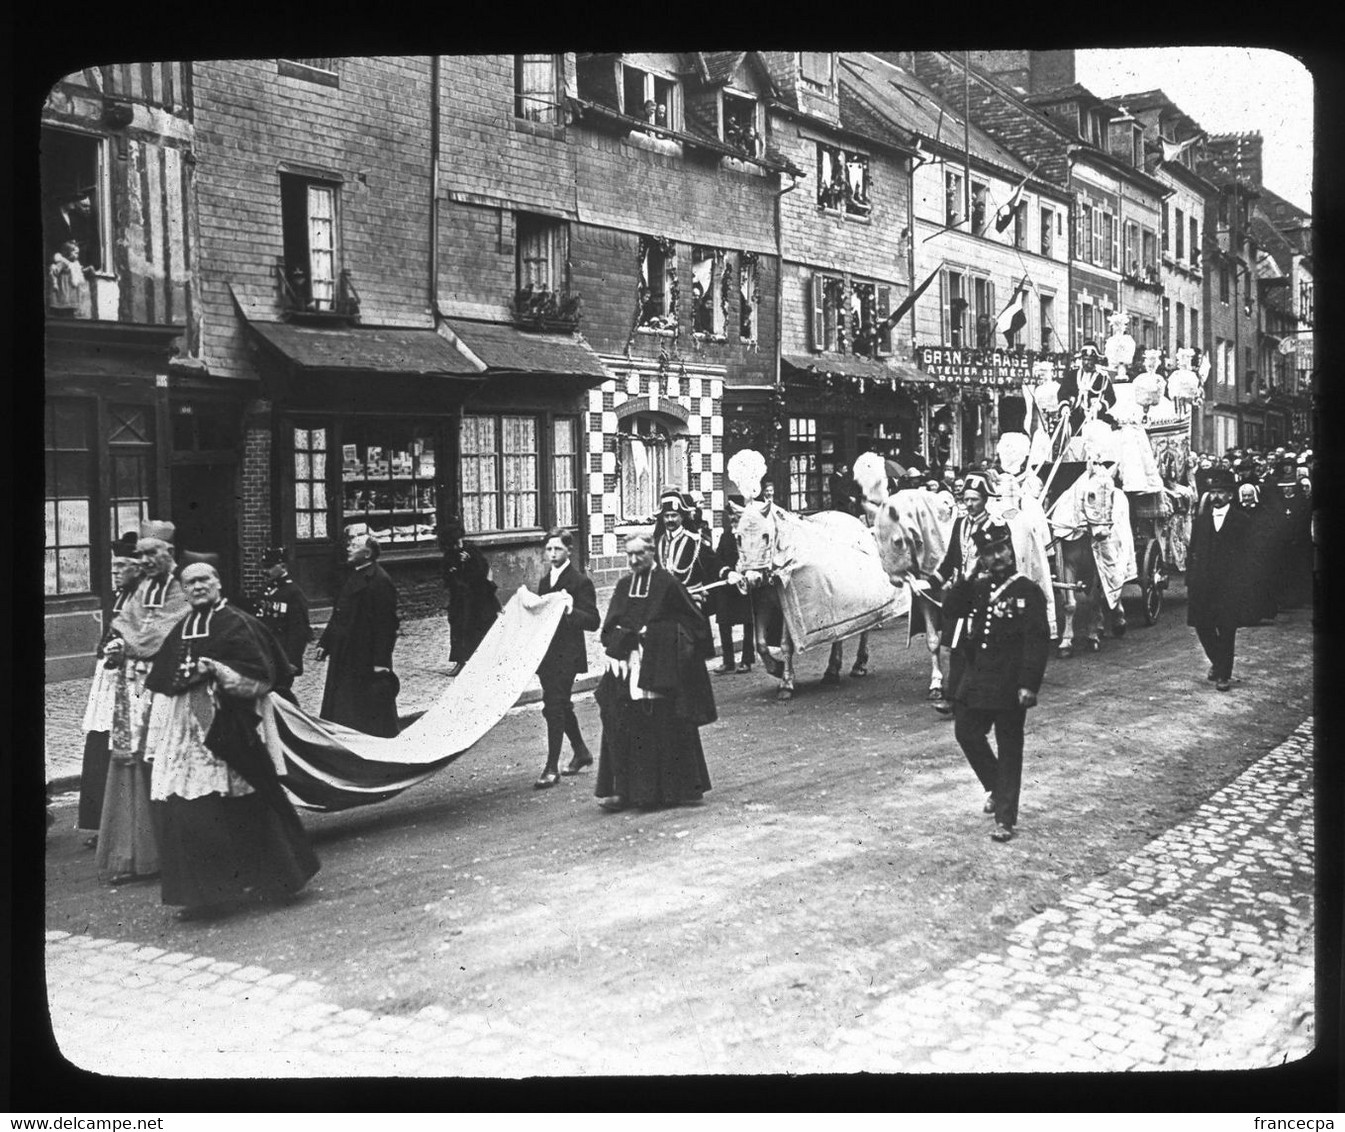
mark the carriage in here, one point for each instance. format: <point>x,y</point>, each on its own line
<point>1154,478</point>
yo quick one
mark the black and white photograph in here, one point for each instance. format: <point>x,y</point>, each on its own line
<point>705,563</point>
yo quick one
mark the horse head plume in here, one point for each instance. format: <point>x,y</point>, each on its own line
<point>747,468</point>
<point>870,472</point>
<point>1013,451</point>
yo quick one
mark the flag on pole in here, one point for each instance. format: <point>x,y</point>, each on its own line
<point>1013,317</point>
<point>1173,150</point>
<point>906,304</point>
<point>1004,217</point>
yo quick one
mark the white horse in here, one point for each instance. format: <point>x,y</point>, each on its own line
<point>818,580</point>
<point>913,534</point>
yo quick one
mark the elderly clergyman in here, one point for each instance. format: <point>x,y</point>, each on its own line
<point>227,831</point>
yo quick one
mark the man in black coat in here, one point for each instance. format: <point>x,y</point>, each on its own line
<point>361,689</point>
<point>472,601</point>
<point>655,694</point>
<point>1001,639</point>
<point>1218,600</point>
<point>283,608</point>
<point>566,657</point>
<point>730,605</point>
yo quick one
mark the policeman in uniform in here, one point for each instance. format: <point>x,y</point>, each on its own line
<point>283,608</point>
<point>1000,645</point>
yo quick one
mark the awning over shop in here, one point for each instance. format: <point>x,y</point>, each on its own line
<point>507,349</point>
<point>89,348</point>
<point>366,349</point>
<point>850,366</point>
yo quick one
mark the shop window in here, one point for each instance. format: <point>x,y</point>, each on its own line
<point>310,482</point>
<point>740,123</point>
<point>1047,231</point>
<point>658,284</point>
<point>650,97</point>
<point>748,281</point>
<point>537,88</point>
<point>76,220</point>
<point>308,219</point>
<point>565,472</point>
<point>805,465</point>
<point>842,180</point>
<point>499,462</point>
<point>816,69</point>
<point>829,311</point>
<point>387,481</point>
<point>67,547</point>
<point>953,204</point>
<point>130,451</point>
<point>707,296</point>
<point>650,456</point>
<point>955,303</point>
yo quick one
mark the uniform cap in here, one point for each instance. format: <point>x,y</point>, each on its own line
<point>990,536</point>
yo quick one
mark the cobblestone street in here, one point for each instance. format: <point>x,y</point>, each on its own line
<point>1195,952</point>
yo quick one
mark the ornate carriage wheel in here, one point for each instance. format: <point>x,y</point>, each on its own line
<point>1153,582</point>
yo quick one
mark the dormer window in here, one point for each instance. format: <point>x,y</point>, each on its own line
<point>740,123</point>
<point>650,97</point>
<point>816,69</point>
<point>842,180</point>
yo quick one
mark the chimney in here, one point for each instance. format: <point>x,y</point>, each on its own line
<point>1050,70</point>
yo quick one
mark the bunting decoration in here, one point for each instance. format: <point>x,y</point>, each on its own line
<point>906,304</point>
<point>1013,318</point>
<point>1004,217</point>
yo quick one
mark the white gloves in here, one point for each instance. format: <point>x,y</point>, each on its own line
<point>618,668</point>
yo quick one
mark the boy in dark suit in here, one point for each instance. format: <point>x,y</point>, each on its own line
<point>1000,643</point>
<point>566,658</point>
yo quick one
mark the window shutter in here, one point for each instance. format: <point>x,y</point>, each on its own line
<point>992,311</point>
<point>1080,232</point>
<point>1115,242</point>
<point>819,327</point>
<point>947,318</point>
<point>884,309</point>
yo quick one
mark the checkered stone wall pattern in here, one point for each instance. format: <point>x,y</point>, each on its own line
<point>698,391</point>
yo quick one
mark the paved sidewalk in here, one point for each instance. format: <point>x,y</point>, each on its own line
<point>1195,952</point>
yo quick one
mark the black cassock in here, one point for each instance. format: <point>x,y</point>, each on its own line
<point>359,638</point>
<point>651,748</point>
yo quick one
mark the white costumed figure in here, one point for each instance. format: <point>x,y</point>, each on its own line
<point>1018,486</point>
<point>1183,384</point>
<point>1149,384</point>
<point>1119,347</point>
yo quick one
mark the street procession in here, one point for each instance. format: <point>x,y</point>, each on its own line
<point>811,557</point>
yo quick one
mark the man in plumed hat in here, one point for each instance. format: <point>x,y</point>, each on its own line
<point>1000,643</point>
<point>1220,577</point>
<point>283,608</point>
<point>679,548</point>
<point>1087,389</point>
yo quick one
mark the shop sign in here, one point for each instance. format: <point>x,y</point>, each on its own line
<point>987,367</point>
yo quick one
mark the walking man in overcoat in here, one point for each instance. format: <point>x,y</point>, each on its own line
<point>1218,564</point>
<point>566,657</point>
<point>1001,640</point>
<point>361,688</point>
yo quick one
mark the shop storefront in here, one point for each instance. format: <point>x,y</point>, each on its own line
<point>106,436</point>
<point>393,432</point>
<point>835,409</point>
<point>976,396</point>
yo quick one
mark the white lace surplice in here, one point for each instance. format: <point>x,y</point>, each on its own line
<point>183,766</point>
